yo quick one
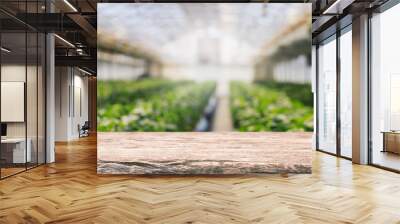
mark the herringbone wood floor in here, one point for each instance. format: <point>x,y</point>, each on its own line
<point>70,191</point>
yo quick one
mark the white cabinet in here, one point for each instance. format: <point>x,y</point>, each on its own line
<point>19,155</point>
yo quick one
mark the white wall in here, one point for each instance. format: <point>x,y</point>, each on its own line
<point>80,103</point>
<point>62,81</point>
<point>70,83</point>
<point>33,125</point>
<point>12,73</point>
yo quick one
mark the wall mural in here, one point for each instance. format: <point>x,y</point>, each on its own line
<point>204,88</point>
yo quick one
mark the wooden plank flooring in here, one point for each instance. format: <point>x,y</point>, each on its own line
<point>203,152</point>
<point>70,191</point>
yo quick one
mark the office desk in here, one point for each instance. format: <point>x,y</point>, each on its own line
<point>391,141</point>
<point>13,150</point>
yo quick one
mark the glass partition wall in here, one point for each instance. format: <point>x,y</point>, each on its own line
<point>22,77</point>
<point>345,108</point>
<point>327,95</point>
<point>385,89</point>
<point>13,86</point>
<point>334,105</point>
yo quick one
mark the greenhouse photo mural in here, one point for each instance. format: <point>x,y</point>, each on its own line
<point>204,88</point>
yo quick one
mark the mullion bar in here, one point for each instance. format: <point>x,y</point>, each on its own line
<point>369,90</point>
<point>338,92</point>
<point>37,91</point>
<point>26,87</point>
<point>317,97</point>
<point>47,5</point>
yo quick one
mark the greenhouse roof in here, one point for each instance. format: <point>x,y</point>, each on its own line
<point>190,33</point>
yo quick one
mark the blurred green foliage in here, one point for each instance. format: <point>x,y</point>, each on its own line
<point>151,105</point>
<point>162,105</point>
<point>124,92</point>
<point>300,92</point>
<point>264,107</point>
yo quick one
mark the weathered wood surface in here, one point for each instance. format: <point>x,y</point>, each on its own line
<point>204,153</point>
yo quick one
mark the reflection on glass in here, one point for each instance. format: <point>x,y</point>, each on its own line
<point>327,96</point>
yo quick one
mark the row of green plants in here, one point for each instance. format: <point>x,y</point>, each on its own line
<point>125,92</point>
<point>259,107</point>
<point>139,106</point>
<point>296,91</point>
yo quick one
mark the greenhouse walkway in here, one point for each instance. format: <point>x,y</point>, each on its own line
<point>222,119</point>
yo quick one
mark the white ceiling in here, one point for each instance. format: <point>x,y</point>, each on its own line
<point>190,33</point>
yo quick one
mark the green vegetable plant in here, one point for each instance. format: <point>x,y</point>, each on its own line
<point>257,107</point>
<point>174,106</point>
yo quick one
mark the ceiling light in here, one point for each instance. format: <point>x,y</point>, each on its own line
<point>84,71</point>
<point>79,51</point>
<point>65,41</point>
<point>70,5</point>
<point>5,50</point>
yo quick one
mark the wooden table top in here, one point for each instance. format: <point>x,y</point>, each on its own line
<point>204,152</point>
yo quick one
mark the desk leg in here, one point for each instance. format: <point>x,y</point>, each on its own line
<point>384,143</point>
